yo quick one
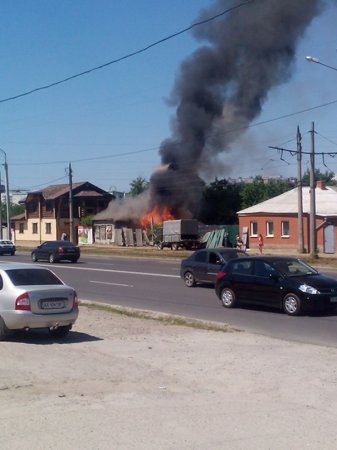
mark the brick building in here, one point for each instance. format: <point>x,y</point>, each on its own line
<point>277,220</point>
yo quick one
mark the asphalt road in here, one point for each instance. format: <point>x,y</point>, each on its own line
<point>155,285</point>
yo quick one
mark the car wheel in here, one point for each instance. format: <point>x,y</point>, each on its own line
<point>34,257</point>
<point>60,332</point>
<point>174,246</point>
<point>228,298</point>
<point>74,260</point>
<point>13,253</point>
<point>189,279</point>
<point>160,246</point>
<point>4,332</point>
<point>292,304</point>
<point>51,258</point>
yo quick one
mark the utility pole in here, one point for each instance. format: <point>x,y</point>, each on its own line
<point>312,224</point>
<point>71,216</point>
<point>0,208</point>
<point>299,192</point>
<point>9,233</point>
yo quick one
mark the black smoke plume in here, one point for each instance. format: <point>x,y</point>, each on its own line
<point>221,87</point>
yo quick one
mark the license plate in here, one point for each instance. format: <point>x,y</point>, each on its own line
<point>333,299</point>
<point>53,304</point>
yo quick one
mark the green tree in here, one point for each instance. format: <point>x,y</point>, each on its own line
<point>259,191</point>
<point>221,200</point>
<point>327,176</point>
<point>138,185</point>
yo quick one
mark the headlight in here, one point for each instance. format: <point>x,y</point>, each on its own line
<point>308,289</point>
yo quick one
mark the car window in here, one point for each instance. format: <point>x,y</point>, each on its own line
<point>242,267</point>
<point>23,277</point>
<point>201,257</point>
<point>263,269</point>
<point>214,258</point>
<point>294,267</point>
<point>67,244</point>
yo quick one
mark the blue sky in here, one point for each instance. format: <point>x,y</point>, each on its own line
<point>120,114</point>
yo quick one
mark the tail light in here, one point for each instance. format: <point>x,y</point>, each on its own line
<point>220,275</point>
<point>75,300</point>
<point>22,303</point>
<point>60,250</point>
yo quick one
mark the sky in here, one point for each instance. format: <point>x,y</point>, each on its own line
<point>109,124</point>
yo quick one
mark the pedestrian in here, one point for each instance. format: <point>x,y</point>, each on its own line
<point>260,243</point>
<point>64,237</point>
<point>239,242</point>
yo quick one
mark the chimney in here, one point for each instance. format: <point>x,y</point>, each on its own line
<point>321,184</point>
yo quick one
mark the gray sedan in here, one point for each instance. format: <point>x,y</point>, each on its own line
<point>204,264</point>
<point>34,297</point>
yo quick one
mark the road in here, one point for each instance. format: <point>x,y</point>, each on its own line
<point>155,285</point>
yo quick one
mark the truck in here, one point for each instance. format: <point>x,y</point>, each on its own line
<point>182,233</point>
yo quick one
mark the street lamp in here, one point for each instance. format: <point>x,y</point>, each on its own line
<point>7,196</point>
<point>317,61</point>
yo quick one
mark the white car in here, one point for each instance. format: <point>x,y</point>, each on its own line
<point>34,297</point>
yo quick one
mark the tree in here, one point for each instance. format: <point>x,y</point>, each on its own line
<point>326,176</point>
<point>220,203</point>
<point>259,191</point>
<point>138,185</point>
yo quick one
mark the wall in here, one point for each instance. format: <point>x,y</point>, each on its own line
<point>286,242</point>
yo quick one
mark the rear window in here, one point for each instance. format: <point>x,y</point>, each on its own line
<point>23,277</point>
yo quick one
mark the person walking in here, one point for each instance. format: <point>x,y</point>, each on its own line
<point>260,243</point>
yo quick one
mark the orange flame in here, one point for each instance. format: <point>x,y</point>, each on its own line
<point>156,216</point>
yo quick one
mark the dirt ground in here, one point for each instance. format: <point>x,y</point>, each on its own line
<point>126,383</point>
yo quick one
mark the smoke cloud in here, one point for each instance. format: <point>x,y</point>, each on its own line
<point>221,88</point>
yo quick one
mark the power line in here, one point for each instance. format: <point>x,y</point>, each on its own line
<point>129,55</point>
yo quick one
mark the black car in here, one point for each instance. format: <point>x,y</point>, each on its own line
<point>54,251</point>
<point>203,265</point>
<point>276,281</point>
<point>7,247</point>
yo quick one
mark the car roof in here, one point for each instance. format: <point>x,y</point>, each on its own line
<point>17,265</point>
<point>269,258</point>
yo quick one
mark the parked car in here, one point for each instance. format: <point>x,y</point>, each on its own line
<point>34,297</point>
<point>55,251</point>
<point>276,281</point>
<point>7,247</point>
<point>203,265</point>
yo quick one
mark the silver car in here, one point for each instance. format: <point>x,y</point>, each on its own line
<point>34,297</point>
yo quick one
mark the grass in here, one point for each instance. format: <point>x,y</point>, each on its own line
<point>166,319</point>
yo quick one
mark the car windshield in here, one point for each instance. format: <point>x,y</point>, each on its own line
<point>294,268</point>
<point>26,277</point>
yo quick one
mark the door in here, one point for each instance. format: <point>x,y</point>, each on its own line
<point>329,239</point>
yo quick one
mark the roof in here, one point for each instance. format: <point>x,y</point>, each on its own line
<point>287,203</point>
<point>84,188</point>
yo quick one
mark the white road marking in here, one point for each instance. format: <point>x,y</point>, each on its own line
<point>113,284</point>
<point>128,272</point>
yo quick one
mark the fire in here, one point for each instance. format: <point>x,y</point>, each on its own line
<point>156,216</point>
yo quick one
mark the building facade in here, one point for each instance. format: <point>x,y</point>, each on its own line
<point>47,212</point>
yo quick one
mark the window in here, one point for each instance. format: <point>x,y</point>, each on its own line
<point>270,228</point>
<point>21,228</point>
<point>262,269</point>
<point>253,228</point>
<point>34,228</point>
<point>201,257</point>
<point>242,267</point>
<point>48,228</point>
<point>285,228</point>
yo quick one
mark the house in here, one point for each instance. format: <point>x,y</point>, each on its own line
<point>46,214</point>
<point>277,220</point>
